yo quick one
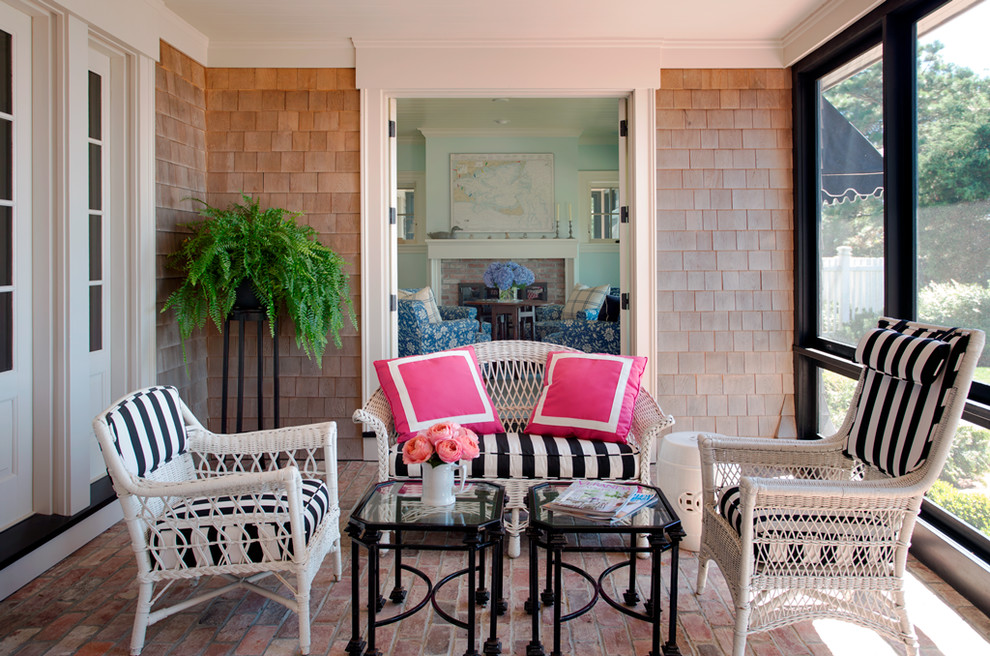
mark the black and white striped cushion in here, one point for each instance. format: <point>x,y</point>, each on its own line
<point>910,358</point>
<point>253,542</point>
<point>897,412</point>
<point>800,544</point>
<point>147,429</point>
<point>520,455</point>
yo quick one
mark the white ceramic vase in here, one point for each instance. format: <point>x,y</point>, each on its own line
<point>438,483</point>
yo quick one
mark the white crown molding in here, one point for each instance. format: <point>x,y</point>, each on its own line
<point>722,53</point>
<point>390,44</point>
<point>500,132</point>
<point>177,32</point>
<point>331,53</point>
<point>821,25</point>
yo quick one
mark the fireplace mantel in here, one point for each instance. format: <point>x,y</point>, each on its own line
<point>438,250</point>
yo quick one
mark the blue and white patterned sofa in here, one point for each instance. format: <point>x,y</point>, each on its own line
<point>513,378</point>
<point>459,327</point>
<point>588,336</point>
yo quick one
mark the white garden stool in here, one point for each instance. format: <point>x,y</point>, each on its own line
<point>678,475</point>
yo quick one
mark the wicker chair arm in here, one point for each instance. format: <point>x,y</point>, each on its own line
<point>377,414</point>
<point>648,421</point>
<point>290,438</point>
<point>724,460</point>
<point>830,495</point>
<point>225,485</point>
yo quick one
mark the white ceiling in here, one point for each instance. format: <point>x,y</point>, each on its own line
<point>284,21</point>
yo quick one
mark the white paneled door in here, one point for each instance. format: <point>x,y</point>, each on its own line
<point>16,434</point>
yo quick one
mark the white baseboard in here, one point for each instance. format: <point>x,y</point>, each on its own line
<point>25,569</point>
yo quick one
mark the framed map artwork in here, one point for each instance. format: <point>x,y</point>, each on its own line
<point>502,192</point>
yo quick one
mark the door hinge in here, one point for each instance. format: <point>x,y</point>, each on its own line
<point>392,302</point>
<point>624,214</point>
<point>391,128</point>
<point>625,300</point>
<point>392,214</point>
<point>623,128</point>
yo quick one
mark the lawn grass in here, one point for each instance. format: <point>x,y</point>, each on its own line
<point>982,375</point>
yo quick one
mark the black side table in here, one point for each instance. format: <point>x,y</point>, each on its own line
<point>395,507</point>
<point>557,534</point>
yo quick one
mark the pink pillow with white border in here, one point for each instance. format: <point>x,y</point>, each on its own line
<point>445,386</point>
<point>587,395</point>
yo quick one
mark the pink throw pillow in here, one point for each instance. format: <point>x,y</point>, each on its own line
<point>446,386</point>
<point>587,395</point>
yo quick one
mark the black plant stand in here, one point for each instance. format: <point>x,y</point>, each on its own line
<point>242,317</point>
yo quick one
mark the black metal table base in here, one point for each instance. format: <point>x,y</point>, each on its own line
<point>475,544</point>
<point>555,545</point>
<point>241,317</point>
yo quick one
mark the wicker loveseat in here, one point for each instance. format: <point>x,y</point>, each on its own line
<point>513,376</point>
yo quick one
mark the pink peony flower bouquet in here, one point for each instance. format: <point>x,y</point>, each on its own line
<point>442,443</point>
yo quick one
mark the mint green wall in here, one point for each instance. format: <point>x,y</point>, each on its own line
<point>598,157</point>
<point>412,268</point>
<point>598,269</point>
<point>410,156</point>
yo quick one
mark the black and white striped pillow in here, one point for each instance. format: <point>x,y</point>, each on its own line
<point>910,358</point>
<point>905,382</point>
<point>147,429</point>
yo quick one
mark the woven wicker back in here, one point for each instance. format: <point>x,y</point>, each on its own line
<point>513,373</point>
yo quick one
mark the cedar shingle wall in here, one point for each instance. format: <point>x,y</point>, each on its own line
<point>180,151</point>
<point>725,250</point>
<point>291,138</point>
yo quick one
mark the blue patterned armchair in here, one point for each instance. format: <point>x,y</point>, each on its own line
<point>459,327</point>
<point>588,336</point>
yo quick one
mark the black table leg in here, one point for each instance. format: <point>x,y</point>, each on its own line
<point>472,542</point>
<point>630,596</point>
<point>482,593</point>
<point>534,648</point>
<point>355,645</point>
<point>556,542</point>
<point>398,594</point>
<point>500,605</point>
<point>547,595</point>
<point>670,647</point>
<point>373,596</point>
<point>493,646</point>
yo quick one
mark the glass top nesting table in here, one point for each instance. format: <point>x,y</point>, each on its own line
<point>395,508</point>
<point>556,534</point>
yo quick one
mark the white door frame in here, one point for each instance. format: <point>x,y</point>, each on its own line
<point>378,278</point>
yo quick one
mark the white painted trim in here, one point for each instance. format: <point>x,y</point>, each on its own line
<point>641,114</point>
<point>175,31</point>
<point>378,248</point>
<point>329,53</point>
<point>723,54</point>
<point>538,66</point>
<point>823,24</point>
<point>500,132</point>
<point>142,365</point>
<point>37,562</point>
<point>587,180</point>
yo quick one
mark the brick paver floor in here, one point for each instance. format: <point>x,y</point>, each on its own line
<point>85,605</point>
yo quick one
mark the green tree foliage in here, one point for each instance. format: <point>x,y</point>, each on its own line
<point>956,304</point>
<point>973,508</point>
<point>969,460</point>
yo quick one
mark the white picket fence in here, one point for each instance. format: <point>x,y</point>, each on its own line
<point>849,286</point>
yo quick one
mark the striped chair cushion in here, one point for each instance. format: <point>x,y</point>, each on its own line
<point>896,416</point>
<point>520,455</point>
<point>797,541</point>
<point>239,542</point>
<point>910,358</point>
<point>148,429</point>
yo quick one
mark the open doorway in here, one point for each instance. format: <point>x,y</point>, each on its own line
<point>543,189</point>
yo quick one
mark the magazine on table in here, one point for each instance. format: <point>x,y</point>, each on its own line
<point>600,500</point>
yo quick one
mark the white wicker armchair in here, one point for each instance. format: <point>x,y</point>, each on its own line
<point>513,376</point>
<point>813,529</point>
<point>241,506</point>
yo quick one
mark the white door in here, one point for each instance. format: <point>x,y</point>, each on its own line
<point>98,320</point>
<point>16,433</point>
<point>625,274</point>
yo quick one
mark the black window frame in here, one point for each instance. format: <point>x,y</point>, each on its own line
<point>891,25</point>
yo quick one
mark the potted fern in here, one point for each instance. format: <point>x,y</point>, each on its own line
<point>271,254</point>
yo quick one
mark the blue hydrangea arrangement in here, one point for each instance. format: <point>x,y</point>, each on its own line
<point>507,276</point>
